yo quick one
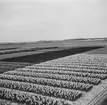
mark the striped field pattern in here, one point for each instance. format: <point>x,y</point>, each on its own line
<point>61,81</point>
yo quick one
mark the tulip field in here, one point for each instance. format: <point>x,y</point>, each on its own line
<point>64,81</point>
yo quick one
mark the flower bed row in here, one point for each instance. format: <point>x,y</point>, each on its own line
<point>50,82</point>
<point>65,69</point>
<point>83,74</point>
<point>89,80</point>
<point>28,98</point>
<point>41,89</point>
<point>69,66</point>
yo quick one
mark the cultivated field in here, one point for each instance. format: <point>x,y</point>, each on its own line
<point>98,51</point>
<point>10,50</point>
<point>6,66</point>
<point>70,80</point>
<point>53,73</point>
<point>50,55</point>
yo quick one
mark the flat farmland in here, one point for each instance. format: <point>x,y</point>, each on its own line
<point>70,80</point>
<point>24,49</point>
<point>98,51</point>
<point>6,66</point>
<point>66,74</point>
<point>50,55</point>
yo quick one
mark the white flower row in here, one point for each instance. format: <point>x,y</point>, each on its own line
<point>42,89</point>
<point>50,82</point>
<point>63,69</point>
<point>89,80</point>
<point>82,74</point>
<point>69,66</point>
<point>28,98</point>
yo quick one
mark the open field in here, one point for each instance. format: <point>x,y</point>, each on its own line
<point>98,51</point>
<point>70,80</point>
<point>23,49</point>
<point>6,66</point>
<point>50,55</point>
<point>15,50</point>
<point>57,76</point>
<point>59,43</point>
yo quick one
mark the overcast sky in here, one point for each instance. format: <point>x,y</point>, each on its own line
<point>33,20</point>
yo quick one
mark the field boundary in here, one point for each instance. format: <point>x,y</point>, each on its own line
<point>99,98</point>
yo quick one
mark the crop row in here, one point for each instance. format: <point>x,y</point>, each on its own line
<point>83,64</point>
<point>89,80</point>
<point>28,98</point>
<point>41,89</point>
<point>82,74</point>
<point>77,64</point>
<point>70,66</point>
<point>101,75</point>
<point>50,82</point>
<point>64,69</point>
<point>86,62</point>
